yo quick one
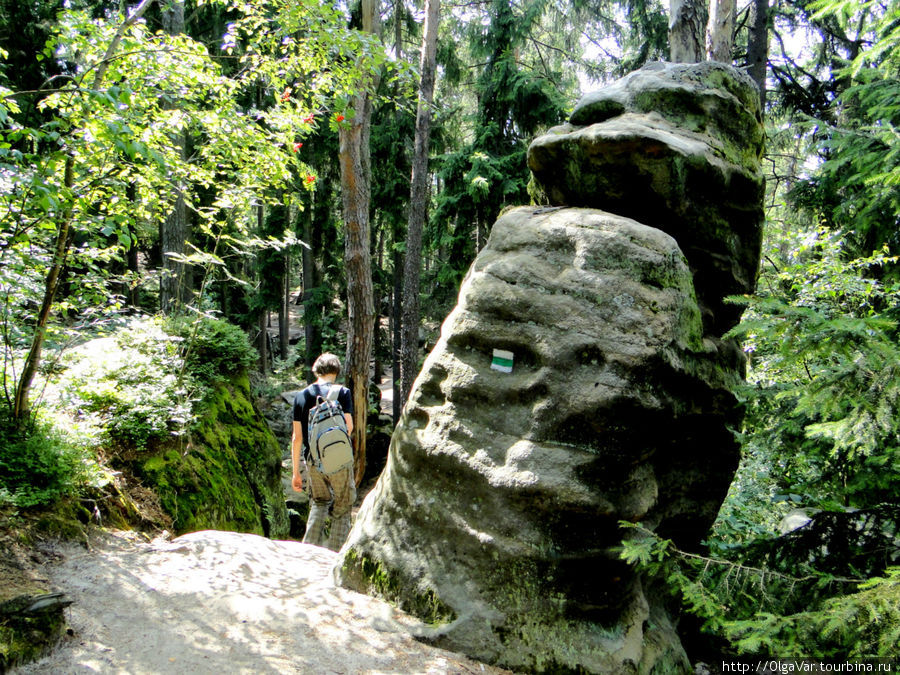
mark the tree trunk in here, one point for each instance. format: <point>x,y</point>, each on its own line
<point>22,402</point>
<point>312,279</point>
<point>262,345</point>
<point>22,397</point>
<point>284,308</point>
<point>378,347</point>
<point>356,176</point>
<point>263,342</point>
<point>758,47</point>
<point>134,298</point>
<point>687,28</point>
<point>173,283</point>
<point>418,203</point>
<point>396,311</point>
<point>720,30</point>
<point>397,263</point>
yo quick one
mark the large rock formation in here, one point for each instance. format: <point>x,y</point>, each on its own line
<point>498,513</point>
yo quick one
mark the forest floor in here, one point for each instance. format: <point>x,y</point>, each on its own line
<point>222,602</point>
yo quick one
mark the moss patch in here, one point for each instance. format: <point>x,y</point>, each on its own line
<point>27,636</point>
<point>227,474</point>
<point>371,576</point>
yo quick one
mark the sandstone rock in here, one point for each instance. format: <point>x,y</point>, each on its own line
<point>676,147</point>
<point>498,511</point>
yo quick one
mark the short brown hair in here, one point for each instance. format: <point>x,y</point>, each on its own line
<point>327,364</point>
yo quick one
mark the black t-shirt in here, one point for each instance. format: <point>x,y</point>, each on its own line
<point>306,401</point>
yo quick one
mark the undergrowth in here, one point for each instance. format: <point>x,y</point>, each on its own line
<point>131,391</point>
<point>757,610</point>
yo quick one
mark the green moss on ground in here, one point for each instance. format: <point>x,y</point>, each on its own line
<point>26,636</point>
<point>26,639</point>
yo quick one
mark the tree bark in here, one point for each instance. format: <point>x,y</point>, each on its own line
<point>173,282</point>
<point>418,202</point>
<point>311,280</point>
<point>687,24</point>
<point>262,345</point>
<point>396,321</point>
<point>720,30</point>
<point>284,308</point>
<point>397,262</point>
<point>356,176</point>
<point>758,47</point>
<point>355,184</point>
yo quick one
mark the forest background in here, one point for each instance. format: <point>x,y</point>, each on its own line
<point>210,164</point>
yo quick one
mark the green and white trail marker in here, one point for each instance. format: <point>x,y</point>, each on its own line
<point>502,361</point>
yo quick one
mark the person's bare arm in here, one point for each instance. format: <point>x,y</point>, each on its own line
<point>296,445</point>
<point>349,418</point>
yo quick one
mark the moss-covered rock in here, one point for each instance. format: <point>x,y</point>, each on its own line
<point>227,474</point>
<point>581,381</point>
<point>31,611</point>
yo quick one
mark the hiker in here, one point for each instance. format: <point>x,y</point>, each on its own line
<point>337,490</point>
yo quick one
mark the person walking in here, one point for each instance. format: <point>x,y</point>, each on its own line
<point>336,491</point>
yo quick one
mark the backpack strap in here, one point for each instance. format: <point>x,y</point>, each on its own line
<point>334,390</point>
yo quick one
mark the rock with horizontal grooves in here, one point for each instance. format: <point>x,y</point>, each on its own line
<point>580,382</point>
<point>499,510</point>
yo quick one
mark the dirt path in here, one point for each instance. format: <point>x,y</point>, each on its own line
<point>220,602</point>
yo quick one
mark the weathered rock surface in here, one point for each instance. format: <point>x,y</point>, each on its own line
<point>498,513</point>
<point>499,505</point>
<point>676,147</point>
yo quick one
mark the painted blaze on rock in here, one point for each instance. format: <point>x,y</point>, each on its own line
<point>497,514</point>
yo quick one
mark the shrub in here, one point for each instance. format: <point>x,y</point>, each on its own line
<point>130,383</point>
<point>142,384</point>
<point>37,465</point>
<point>214,348</point>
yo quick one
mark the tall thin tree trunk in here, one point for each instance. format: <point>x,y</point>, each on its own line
<point>356,176</point>
<point>21,405</point>
<point>397,261</point>
<point>418,203</point>
<point>311,280</point>
<point>131,255</point>
<point>263,342</point>
<point>720,30</point>
<point>284,308</point>
<point>173,283</point>
<point>758,47</point>
<point>687,29</point>
<point>396,311</point>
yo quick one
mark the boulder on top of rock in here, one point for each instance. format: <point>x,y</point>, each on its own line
<point>676,147</point>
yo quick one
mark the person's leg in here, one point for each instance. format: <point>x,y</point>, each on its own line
<point>344,488</point>
<point>315,521</point>
<point>319,501</point>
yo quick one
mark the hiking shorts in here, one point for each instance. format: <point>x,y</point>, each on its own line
<point>339,488</point>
